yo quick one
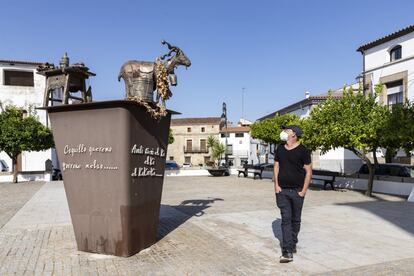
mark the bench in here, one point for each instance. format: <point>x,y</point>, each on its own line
<point>329,177</point>
<point>250,169</point>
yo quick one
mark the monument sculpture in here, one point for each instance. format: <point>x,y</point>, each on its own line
<point>112,156</point>
<point>142,78</point>
<point>69,78</point>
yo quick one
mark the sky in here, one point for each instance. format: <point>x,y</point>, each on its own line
<point>275,50</point>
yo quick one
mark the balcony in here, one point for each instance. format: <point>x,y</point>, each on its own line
<point>195,150</point>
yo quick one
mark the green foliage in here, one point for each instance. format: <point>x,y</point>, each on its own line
<point>268,130</point>
<point>211,141</point>
<point>355,122</point>
<point>217,148</point>
<point>20,133</point>
<point>170,137</point>
<point>398,130</point>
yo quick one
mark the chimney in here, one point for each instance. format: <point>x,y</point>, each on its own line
<point>307,94</point>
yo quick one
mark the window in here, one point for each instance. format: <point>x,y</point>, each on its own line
<point>171,157</point>
<point>188,129</point>
<point>239,135</point>
<point>187,159</point>
<point>18,78</point>
<point>395,53</point>
<point>189,145</point>
<point>225,135</point>
<point>395,92</point>
<point>230,149</point>
<point>203,129</point>
<point>203,145</point>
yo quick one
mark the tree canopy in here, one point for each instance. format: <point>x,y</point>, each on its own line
<point>20,132</point>
<point>268,130</point>
<point>354,122</point>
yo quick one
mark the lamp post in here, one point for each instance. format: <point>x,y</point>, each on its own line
<point>224,121</point>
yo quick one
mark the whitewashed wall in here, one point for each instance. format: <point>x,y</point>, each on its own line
<point>379,56</point>
<point>26,97</point>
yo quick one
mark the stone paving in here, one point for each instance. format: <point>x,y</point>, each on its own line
<point>222,226</point>
<point>14,196</point>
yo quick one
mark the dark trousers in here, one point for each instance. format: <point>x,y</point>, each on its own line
<point>290,204</point>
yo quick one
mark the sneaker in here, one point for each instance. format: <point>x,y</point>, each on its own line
<point>286,257</point>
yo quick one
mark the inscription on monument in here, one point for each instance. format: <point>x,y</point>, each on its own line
<point>151,154</point>
<point>147,168</point>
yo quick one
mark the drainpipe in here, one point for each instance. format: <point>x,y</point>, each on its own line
<point>363,72</point>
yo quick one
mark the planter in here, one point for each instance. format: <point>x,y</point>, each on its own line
<point>219,171</point>
<point>112,157</point>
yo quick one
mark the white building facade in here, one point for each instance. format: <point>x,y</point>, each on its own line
<point>390,61</point>
<point>22,87</point>
<point>242,148</point>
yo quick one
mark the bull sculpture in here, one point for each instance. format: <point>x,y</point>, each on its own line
<point>142,78</point>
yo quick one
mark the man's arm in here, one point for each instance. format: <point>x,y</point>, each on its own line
<point>308,177</point>
<point>275,176</point>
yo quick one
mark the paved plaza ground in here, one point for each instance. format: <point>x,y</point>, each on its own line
<point>215,226</point>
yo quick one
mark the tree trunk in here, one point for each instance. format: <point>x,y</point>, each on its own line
<point>389,155</point>
<point>374,153</point>
<point>14,168</point>
<point>371,170</point>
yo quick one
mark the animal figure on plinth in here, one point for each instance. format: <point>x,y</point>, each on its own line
<point>142,78</point>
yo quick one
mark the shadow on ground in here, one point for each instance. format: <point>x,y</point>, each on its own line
<point>277,230</point>
<point>172,216</point>
<point>399,213</point>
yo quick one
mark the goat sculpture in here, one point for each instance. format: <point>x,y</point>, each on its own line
<point>142,78</point>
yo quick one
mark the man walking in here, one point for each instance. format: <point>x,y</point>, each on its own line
<point>292,175</point>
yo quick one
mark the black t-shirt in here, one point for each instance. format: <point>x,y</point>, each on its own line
<point>291,171</point>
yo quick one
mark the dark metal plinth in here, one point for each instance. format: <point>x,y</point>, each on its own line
<point>112,156</point>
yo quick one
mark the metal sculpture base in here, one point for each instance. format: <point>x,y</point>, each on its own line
<point>112,158</point>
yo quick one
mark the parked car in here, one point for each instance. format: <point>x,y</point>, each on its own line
<point>186,165</point>
<point>390,169</point>
<point>171,165</point>
<point>3,166</point>
<point>261,166</point>
<point>56,174</point>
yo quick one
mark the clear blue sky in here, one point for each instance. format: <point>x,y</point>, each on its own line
<point>275,49</point>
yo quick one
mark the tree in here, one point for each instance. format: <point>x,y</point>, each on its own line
<point>399,130</point>
<point>170,137</point>
<point>268,130</point>
<point>20,132</point>
<point>217,148</point>
<point>354,122</point>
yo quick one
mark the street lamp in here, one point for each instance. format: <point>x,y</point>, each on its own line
<point>224,123</point>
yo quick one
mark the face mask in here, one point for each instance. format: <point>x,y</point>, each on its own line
<point>284,136</point>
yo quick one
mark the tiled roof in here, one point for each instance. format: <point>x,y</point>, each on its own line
<point>235,129</point>
<point>386,38</point>
<point>337,94</point>
<point>20,62</point>
<point>196,121</point>
<point>334,94</point>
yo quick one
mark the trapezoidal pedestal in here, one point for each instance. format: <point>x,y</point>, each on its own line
<point>112,157</point>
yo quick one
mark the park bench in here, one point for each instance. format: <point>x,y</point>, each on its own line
<point>328,177</point>
<point>256,171</point>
